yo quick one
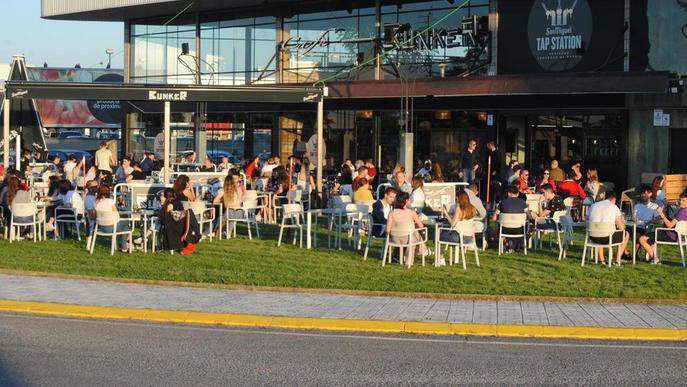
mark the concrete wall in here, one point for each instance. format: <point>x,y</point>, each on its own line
<point>648,146</point>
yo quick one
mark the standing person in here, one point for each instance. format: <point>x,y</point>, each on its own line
<point>402,214</point>
<point>104,159</point>
<point>557,174</point>
<point>381,209</point>
<point>469,162</point>
<point>495,156</point>
<point>608,212</point>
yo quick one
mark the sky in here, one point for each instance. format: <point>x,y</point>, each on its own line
<point>59,43</point>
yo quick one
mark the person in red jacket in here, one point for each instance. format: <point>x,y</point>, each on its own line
<point>569,187</point>
<point>371,170</point>
<point>545,179</point>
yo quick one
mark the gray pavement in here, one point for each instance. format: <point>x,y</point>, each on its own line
<point>100,293</point>
<point>49,351</point>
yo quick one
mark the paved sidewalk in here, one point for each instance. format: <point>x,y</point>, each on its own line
<point>329,306</point>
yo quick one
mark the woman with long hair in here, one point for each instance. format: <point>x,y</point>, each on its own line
<point>105,202</point>
<point>13,194</point>
<point>180,227</point>
<point>592,186</point>
<point>402,214</point>
<point>231,196</point>
<point>418,194</point>
<point>436,173</point>
<point>464,211</point>
<point>657,191</point>
<point>183,189</point>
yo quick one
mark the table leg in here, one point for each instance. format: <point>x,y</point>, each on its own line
<point>436,245</point>
<point>634,242</point>
<point>145,233</point>
<point>308,227</point>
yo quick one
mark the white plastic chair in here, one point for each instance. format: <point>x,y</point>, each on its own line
<point>249,210</point>
<point>109,218</point>
<point>200,209</point>
<point>293,213</point>
<point>513,221</point>
<point>403,232</point>
<point>458,251</point>
<point>681,231</point>
<point>71,215</point>
<point>563,230</point>
<point>24,210</point>
<point>600,230</point>
<point>371,237</point>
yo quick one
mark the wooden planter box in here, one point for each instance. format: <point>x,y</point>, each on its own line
<point>674,186</point>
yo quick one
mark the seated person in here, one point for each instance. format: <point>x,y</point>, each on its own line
<point>523,182</point>
<point>364,192</point>
<point>608,212</point>
<point>646,211</point>
<point>136,173</point>
<point>464,211</point>
<point>381,209</point>
<point>400,183</point>
<point>545,178</point>
<point>417,195</point>
<point>649,241</point>
<point>512,205</point>
<point>208,166</point>
<point>549,203</point>
<point>569,187</point>
<point>476,202</point>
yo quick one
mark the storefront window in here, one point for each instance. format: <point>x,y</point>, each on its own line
<point>318,45</point>
<point>157,54</point>
<point>238,52</point>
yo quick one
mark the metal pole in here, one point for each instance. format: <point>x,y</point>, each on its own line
<point>167,135</point>
<point>17,149</point>
<point>320,143</point>
<point>6,135</point>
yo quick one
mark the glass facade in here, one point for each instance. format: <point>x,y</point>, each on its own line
<point>308,47</point>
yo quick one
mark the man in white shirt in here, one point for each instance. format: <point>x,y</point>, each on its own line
<point>606,211</point>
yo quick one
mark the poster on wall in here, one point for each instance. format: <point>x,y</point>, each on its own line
<point>57,113</point>
<point>539,36</point>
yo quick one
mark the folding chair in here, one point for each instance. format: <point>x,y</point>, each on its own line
<point>513,221</point>
<point>458,250</point>
<point>681,231</point>
<point>600,230</point>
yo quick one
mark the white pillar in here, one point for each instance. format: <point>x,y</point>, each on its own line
<point>320,143</point>
<point>167,135</point>
<point>17,150</point>
<point>6,134</point>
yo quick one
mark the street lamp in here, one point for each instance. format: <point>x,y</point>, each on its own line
<point>109,52</point>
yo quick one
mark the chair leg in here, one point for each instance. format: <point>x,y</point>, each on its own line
<point>385,253</point>
<point>281,232</point>
<point>250,237</point>
<point>584,251</point>
<point>112,244</point>
<point>465,255</point>
<point>476,256</point>
<point>367,247</point>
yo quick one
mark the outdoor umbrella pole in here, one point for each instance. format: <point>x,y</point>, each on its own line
<point>488,177</point>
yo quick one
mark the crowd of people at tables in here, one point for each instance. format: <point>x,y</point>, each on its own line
<point>404,196</point>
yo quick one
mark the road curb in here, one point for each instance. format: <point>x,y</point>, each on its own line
<point>373,326</point>
<point>351,292</point>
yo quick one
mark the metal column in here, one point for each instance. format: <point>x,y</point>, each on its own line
<point>6,135</point>
<point>167,135</point>
<point>320,143</point>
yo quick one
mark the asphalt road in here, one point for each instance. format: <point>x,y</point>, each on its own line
<point>37,350</point>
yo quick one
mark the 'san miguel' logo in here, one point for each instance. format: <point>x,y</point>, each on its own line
<point>559,16</point>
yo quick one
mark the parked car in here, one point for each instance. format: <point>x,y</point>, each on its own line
<point>69,134</point>
<point>108,135</point>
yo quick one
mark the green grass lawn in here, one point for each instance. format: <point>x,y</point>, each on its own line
<point>260,263</point>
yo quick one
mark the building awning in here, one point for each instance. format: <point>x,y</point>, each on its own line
<point>172,93</point>
<point>507,85</point>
